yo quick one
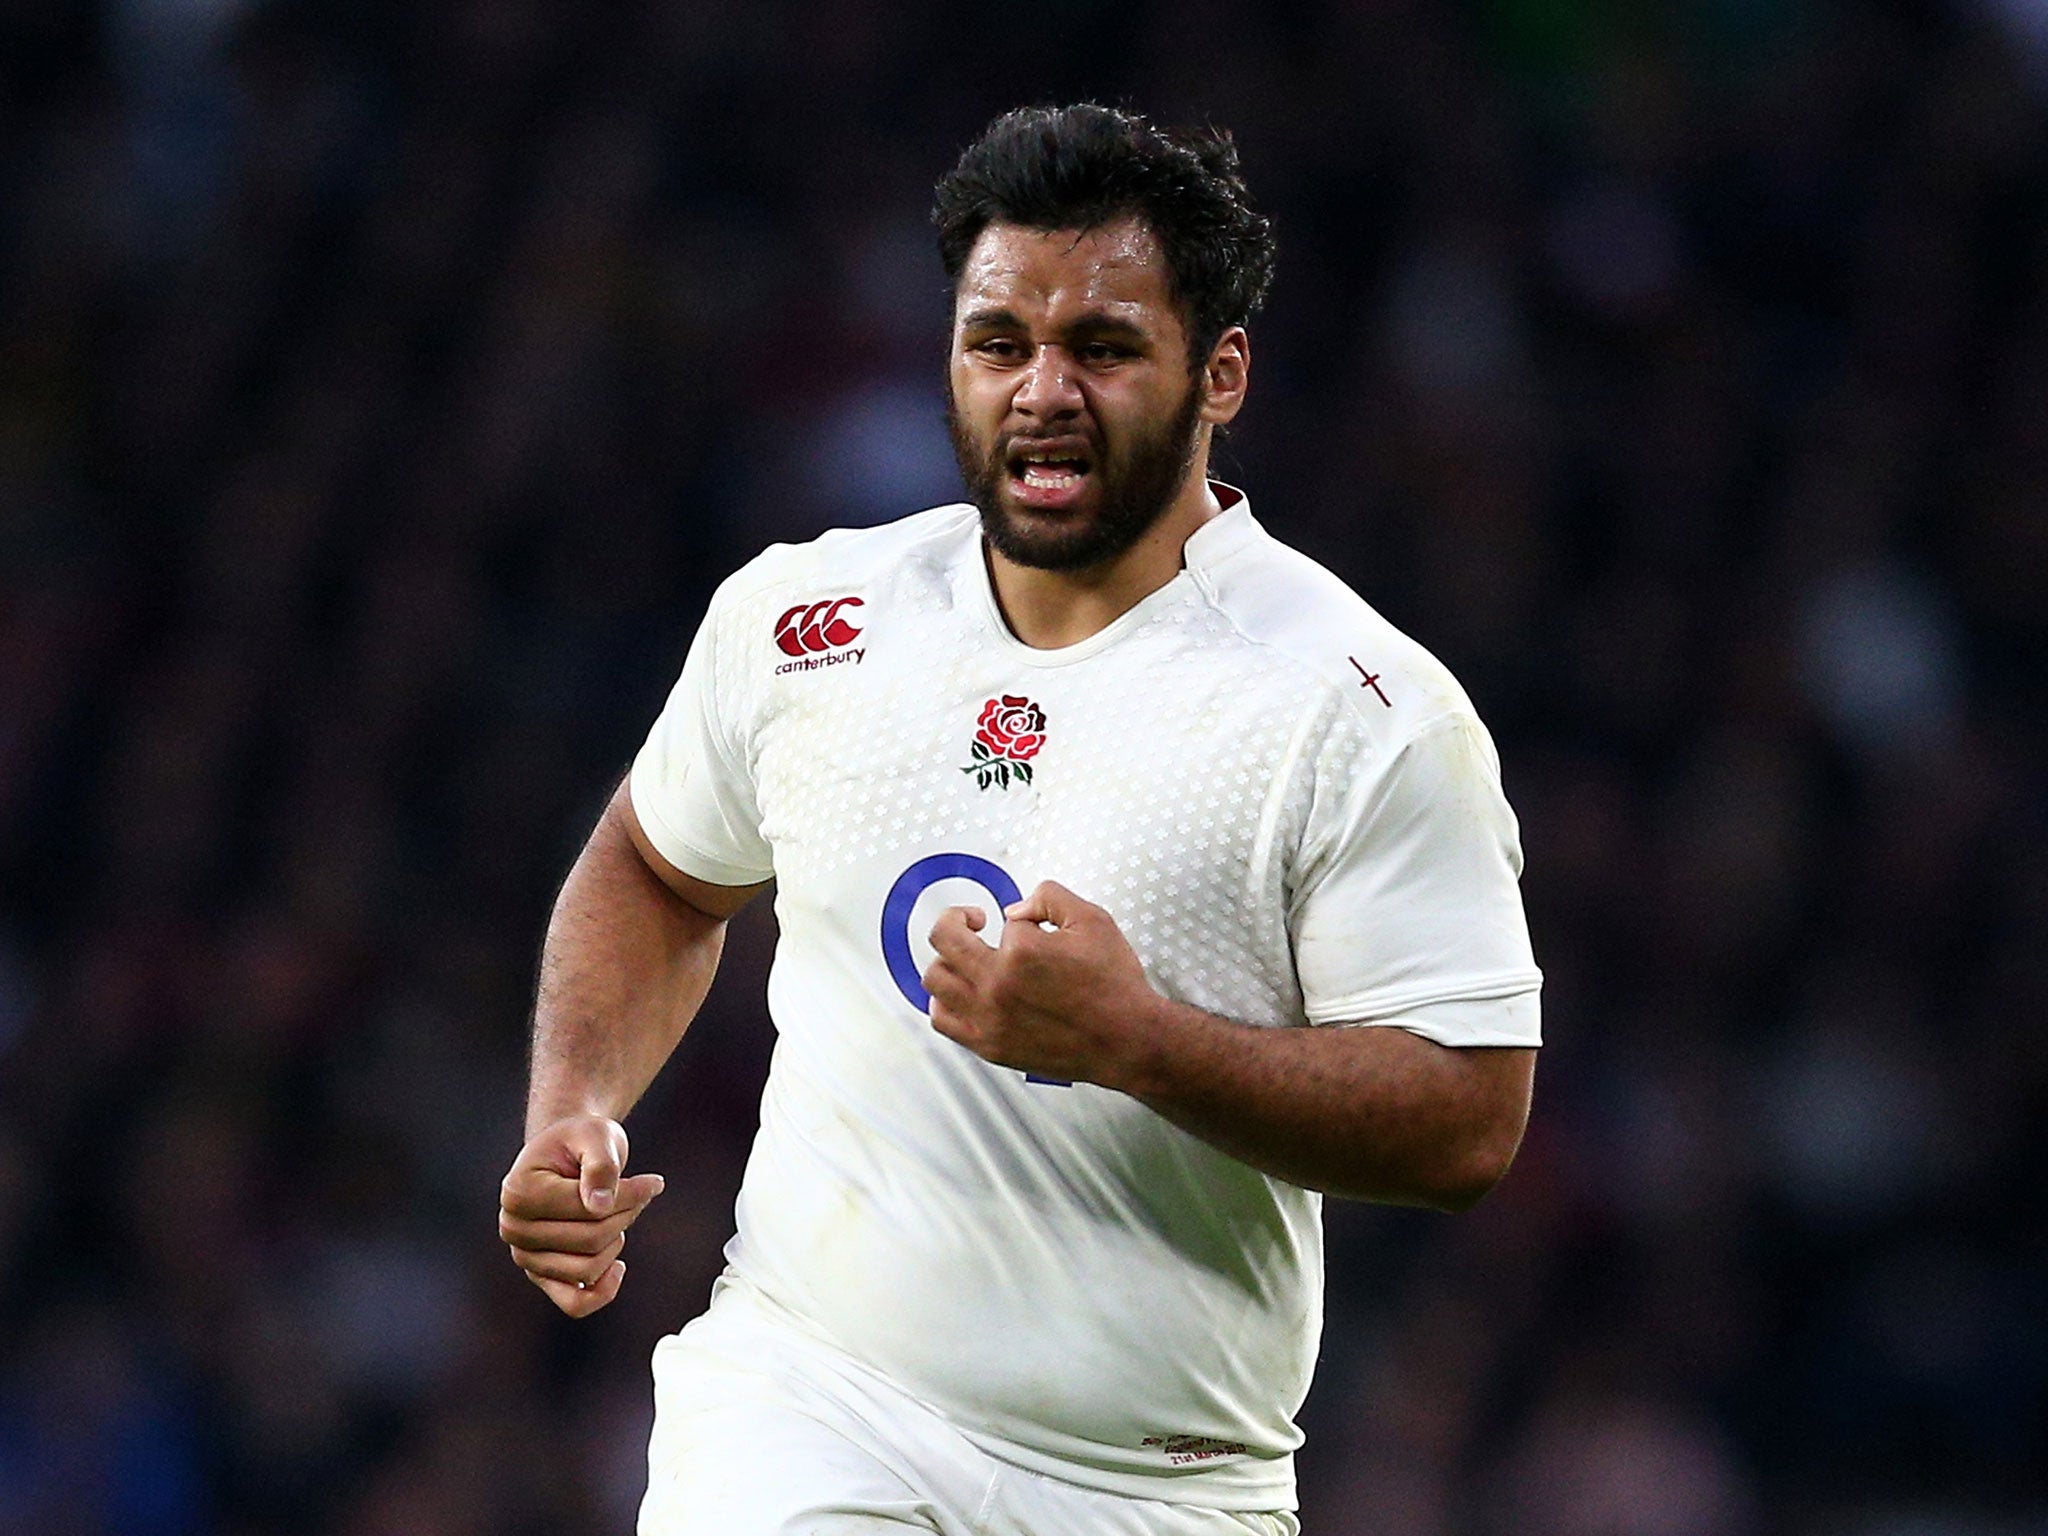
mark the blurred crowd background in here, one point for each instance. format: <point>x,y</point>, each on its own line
<point>383,388</point>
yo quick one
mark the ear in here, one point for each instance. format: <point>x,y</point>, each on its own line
<point>1226,376</point>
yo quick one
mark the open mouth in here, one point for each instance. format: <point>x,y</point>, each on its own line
<point>1048,475</point>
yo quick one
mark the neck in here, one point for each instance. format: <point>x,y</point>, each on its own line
<point>1051,609</point>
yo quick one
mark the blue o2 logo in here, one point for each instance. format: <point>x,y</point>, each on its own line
<point>902,901</point>
<point>913,883</point>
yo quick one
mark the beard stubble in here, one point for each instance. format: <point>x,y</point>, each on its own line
<point>1137,484</point>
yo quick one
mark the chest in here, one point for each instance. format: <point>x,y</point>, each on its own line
<point>1160,781</point>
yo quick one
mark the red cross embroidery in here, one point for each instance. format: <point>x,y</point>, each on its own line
<point>1372,681</point>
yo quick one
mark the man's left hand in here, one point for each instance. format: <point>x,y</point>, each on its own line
<point>1062,994</point>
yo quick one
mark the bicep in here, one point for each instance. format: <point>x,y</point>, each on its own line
<point>1481,1085</point>
<point>714,901</point>
<point>1449,1118</point>
<point>1409,897</point>
<point>690,790</point>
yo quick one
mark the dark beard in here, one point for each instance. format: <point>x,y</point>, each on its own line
<point>1138,485</point>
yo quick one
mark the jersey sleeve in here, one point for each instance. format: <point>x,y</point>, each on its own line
<point>690,785</point>
<point>1407,906</point>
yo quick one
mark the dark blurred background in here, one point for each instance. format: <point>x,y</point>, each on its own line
<point>384,387</point>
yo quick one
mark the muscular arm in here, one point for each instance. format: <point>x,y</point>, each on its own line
<point>630,951</point>
<point>1369,1112</point>
<point>1372,1113</point>
<point>631,948</point>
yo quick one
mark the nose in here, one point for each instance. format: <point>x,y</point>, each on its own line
<point>1047,391</point>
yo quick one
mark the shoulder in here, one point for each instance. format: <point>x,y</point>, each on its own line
<point>850,562</point>
<point>1279,599</point>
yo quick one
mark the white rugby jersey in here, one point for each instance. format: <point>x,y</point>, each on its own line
<point>1295,817</point>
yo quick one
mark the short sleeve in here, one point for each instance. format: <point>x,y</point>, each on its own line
<point>1407,894</point>
<point>689,783</point>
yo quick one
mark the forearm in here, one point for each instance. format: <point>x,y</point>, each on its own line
<point>1373,1112</point>
<point>1370,1112</point>
<point>624,968</point>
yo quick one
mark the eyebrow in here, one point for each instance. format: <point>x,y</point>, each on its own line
<point>1094,323</point>
<point>990,319</point>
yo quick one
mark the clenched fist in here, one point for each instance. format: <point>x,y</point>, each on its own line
<point>565,1206</point>
<point>1062,995</point>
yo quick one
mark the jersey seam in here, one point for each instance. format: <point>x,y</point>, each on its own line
<point>1313,851</point>
<point>1326,686</point>
<point>701,858</point>
<point>735,751</point>
<point>1374,1006</point>
<point>768,574</point>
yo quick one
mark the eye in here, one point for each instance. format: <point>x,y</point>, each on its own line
<point>999,349</point>
<point>1097,353</point>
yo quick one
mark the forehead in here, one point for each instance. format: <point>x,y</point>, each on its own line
<point>1118,268</point>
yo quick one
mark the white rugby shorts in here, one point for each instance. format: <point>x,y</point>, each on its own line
<point>760,1431</point>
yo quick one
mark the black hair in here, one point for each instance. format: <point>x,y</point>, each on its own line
<point>1085,166</point>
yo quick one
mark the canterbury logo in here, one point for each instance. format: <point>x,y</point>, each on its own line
<point>817,626</point>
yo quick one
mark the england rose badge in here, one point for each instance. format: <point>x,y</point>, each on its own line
<point>1007,737</point>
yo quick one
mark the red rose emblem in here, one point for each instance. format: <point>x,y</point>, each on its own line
<point>1007,737</point>
<point>1011,727</point>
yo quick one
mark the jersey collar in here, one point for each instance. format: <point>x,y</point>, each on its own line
<point>1217,539</point>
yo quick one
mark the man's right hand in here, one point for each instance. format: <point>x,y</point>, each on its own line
<point>565,1206</point>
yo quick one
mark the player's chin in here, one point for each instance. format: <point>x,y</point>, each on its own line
<point>1056,538</point>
